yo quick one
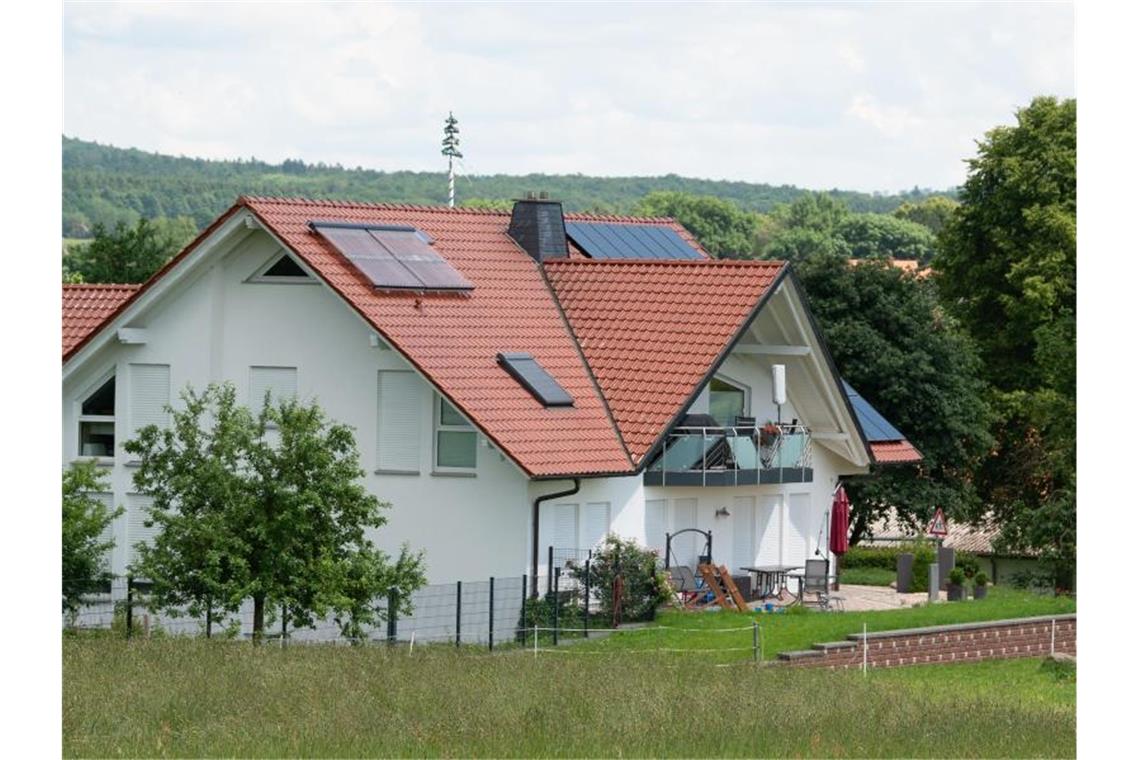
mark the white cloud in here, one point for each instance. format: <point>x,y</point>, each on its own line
<point>875,97</point>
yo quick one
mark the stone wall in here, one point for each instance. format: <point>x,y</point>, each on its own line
<point>990,640</point>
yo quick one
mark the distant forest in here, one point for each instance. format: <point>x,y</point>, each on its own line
<point>105,185</point>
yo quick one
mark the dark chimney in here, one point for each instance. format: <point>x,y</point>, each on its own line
<point>538,227</point>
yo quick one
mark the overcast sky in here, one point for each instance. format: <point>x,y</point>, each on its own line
<point>868,97</point>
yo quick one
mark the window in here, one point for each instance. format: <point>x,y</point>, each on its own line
<point>279,382</point>
<point>97,421</point>
<point>282,269</point>
<point>150,395</point>
<point>398,412</point>
<point>455,439</point>
<point>726,401</point>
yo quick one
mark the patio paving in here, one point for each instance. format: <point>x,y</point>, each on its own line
<point>859,598</point>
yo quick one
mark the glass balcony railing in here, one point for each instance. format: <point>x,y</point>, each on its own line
<point>735,455</point>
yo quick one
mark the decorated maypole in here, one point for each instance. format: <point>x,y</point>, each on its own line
<point>451,150</point>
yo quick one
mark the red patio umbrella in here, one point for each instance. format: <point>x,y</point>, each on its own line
<point>840,523</point>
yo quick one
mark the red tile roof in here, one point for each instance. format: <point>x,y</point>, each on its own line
<point>453,339</point>
<point>652,331</point>
<point>895,452</point>
<point>86,306</point>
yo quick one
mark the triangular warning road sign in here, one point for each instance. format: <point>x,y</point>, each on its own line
<point>937,526</point>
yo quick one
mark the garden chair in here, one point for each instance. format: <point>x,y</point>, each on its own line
<point>817,581</point>
<point>685,585</point>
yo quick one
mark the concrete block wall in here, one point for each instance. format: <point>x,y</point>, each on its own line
<point>999,639</point>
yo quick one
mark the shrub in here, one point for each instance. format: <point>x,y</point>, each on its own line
<point>886,558</point>
<point>644,588</point>
<point>981,579</point>
<point>968,562</point>
<point>957,577</point>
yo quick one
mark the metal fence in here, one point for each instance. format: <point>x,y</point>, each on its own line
<point>488,613</point>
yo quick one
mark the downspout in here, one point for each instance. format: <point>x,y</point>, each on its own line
<point>534,532</point>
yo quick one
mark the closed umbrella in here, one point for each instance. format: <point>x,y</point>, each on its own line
<point>840,524</point>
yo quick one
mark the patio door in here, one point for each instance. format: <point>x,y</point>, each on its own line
<point>743,533</point>
<point>769,529</point>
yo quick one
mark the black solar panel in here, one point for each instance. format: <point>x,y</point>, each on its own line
<point>530,374</point>
<point>393,256</point>
<point>605,240</point>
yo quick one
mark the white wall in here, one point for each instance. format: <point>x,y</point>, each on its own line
<point>216,328</point>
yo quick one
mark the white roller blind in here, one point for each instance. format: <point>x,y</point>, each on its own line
<point>685,547</point>
<point>768,530</point>
<point>799,521</point>
<point>150,393</point>
<point>743,532</point>
<point>656,523</point>
<point>281,382</point>
<point>108,534</point>
<point>597,522</point>
<point>398,422</point>
<point>565,526</point>
<point>137,511</point>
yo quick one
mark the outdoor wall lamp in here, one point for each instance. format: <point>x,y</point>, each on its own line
<point>722,512</point>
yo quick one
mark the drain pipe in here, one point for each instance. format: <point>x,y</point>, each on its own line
<point>534,532</point>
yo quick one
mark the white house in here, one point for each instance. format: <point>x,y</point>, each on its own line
<point>487,361</point>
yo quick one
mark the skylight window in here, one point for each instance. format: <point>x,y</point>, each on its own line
<point>529,373</point>
<point>393,257</point>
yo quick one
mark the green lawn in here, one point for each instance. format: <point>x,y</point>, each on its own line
<point>605,697</point>
<point>800,628</point>
<point>868,576</point>
<point>187,697</point>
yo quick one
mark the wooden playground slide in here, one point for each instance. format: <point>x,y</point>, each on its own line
<point>723,587</point>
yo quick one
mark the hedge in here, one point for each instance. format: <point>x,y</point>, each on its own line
<point>886,557</point>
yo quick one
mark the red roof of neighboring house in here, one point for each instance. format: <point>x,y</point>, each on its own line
<point>895,452</point>
<point>652,331</point>
<point>86,306</point>
<point>960,536</point>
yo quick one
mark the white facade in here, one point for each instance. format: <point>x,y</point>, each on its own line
<point>213,319</point>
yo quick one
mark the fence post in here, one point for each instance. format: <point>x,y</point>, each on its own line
<point>522,613</point>
<point>458,610</point>
<point>549,566</point>
<point>491,616</point>
<point>586,608</point>
<point>393,613</point>
<point>755,641</point>
<point>130,602</point>
<point>557,575</point>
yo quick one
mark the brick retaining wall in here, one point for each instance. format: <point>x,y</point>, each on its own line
<point>991,640</point>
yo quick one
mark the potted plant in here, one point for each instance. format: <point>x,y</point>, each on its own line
<point>980,581</point>
<point>769,434</point>
<point>955,591</point>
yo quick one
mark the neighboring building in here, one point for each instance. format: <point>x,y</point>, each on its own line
<point>486,361</point>
<point>979,540</point>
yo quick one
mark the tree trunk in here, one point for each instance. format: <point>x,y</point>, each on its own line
<point>258,618</point>
<point>209,618</point>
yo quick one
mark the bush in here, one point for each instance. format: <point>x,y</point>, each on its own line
<point>886,558</point>
<point>968,562</point>
<point>981,579</point>
<point>644,588</point>
<point>957,577</point>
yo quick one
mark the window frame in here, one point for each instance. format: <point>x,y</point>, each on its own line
<point>80,418</point>
<point>260,276</point>
<point>743,387</point>
<point>439,426</point>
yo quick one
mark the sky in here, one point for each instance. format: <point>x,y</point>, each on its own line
<point>872,97</point>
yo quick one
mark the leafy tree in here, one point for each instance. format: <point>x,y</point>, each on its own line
<point>879,235</point>
<point>643,587</point>
<point>932,212</point>
<point>820,212</point>
<point>129,254</point>
<point>802,243</point>
<point>724,229</point>
<point>266,507</point>
<point>892,341</point>
<point>84,520</point>
<point>1007,268</point>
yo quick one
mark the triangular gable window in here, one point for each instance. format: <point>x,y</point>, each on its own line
<point>284,268</point>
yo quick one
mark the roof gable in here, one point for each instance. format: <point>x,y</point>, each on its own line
<point>652,332</point>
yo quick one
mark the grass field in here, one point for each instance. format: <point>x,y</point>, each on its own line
<point>868,576</point>
<point>187,697</point>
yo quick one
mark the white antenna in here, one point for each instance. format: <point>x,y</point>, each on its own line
<point>451,150</point>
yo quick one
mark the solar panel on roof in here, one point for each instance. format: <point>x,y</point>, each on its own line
<point>606,240</point>
<point>530,375</point>
<point>395,257</point>
<point>875,426</point>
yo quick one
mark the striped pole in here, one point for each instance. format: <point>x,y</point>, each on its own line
<point>450,183</point>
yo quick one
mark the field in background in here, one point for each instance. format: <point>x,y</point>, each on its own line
<point>184,697</point>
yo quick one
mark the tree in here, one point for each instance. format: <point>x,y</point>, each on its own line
<point>724,229</point>
<point>892,341</point>
<point>879,235</point>
<point>932,213</point>
<point>264,507</point>
<point>1007,269</point>
<point>129,254</point>
<point>85,518</point>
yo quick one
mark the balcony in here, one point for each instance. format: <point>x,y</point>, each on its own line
<point>707,455</point>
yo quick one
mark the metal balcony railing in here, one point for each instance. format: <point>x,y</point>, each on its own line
<point>733,455</point>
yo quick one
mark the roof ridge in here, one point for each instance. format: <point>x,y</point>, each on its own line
<point>718,263</point>
<point>382,205</point>
<point>107,285</point>
<point>580,216</point>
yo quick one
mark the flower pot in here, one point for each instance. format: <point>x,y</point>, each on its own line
<point>955,593</point>
<point>980,592</point>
